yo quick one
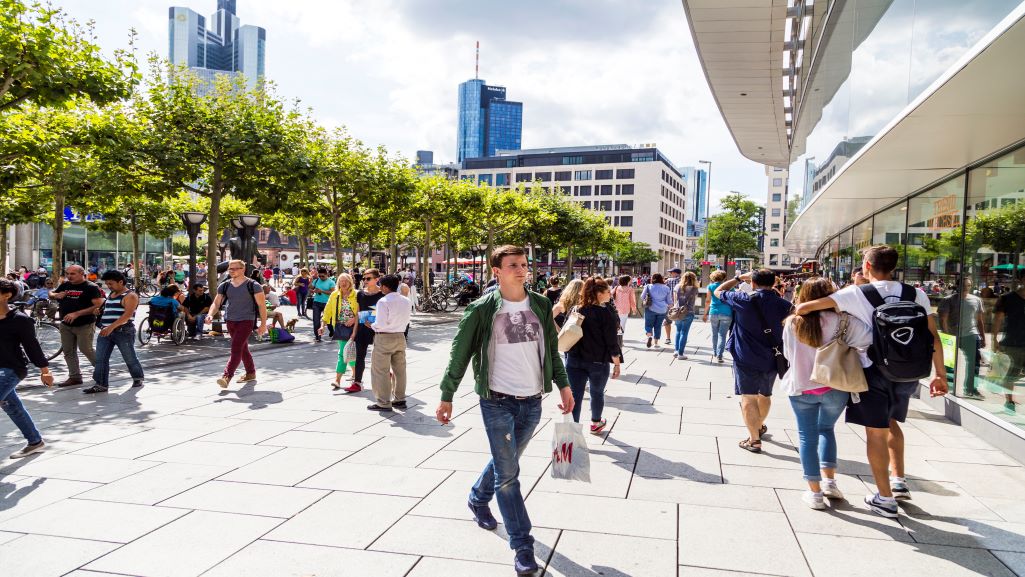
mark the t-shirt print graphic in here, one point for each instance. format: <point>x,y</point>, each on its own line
<point>517,327</point>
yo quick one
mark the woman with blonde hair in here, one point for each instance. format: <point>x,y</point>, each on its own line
<point>816,407</point>
<point>686,293</point>
<point>341,313</point>
<point>570,298</point>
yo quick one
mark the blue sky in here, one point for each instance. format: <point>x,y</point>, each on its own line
<point>587,71</point>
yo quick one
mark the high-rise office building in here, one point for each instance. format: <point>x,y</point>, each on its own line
<point>487,121</point>
<point>218,45</point>
<point>696,181</point>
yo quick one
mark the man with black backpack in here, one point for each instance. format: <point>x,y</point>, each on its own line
<point>905,349</point>
<point>247,311</point>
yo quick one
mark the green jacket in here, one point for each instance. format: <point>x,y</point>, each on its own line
<point>473,341</point>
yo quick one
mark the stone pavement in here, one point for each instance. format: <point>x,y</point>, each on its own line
<point>289,478</point>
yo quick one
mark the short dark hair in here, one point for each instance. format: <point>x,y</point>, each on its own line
<point>391,282</point>
<point>657,278</point>
<point>8,287</point>
<point>882,258</point>
<point>554,281</point>
<point>763,277</point>
<point>169,290</point>
<point>114,275</point>
<point>373,271</point>
<point>321,270</point>
<point>625,280</point>
<point>503,251</point>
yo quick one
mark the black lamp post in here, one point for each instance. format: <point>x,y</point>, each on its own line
<point>192,222</point>
<point>247,224</point>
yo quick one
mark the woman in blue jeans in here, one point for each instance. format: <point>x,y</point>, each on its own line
<point>686,293</point>
<point>817,408</point>
<point>588,360</point>
<point>659,298</point>
<point>18,341</point>
<point>719,315</point>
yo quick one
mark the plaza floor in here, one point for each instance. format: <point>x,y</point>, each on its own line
<point>287,478</point>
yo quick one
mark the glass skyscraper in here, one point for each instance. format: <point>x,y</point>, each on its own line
<point>216,45</point>
<point>487,121</point>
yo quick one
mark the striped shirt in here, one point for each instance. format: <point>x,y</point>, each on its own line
<point>112,310</point>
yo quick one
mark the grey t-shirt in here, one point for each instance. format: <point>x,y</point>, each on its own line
<point>971,307</point>
<point>240,303</point>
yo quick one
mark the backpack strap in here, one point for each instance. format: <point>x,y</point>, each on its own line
<point>907,292</point>
<point>873,296</point>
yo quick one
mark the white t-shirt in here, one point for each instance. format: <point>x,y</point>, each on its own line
<point>851,300</point>
<point>517,346</point>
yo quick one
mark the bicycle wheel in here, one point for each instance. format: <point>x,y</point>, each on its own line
<point>179,331</point>
<point>49,337</point>
<point>145,332</point>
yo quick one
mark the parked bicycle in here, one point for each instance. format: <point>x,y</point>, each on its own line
<point>147,287</point>
<point>47,328</point>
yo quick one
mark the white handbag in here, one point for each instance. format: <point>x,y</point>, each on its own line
<point>572,331</point>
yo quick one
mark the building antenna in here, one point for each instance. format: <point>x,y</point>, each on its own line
<point>476,66</point>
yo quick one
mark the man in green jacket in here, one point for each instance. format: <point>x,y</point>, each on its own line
<point>510,336</point>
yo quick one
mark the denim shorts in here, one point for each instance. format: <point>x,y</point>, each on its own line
<point>747,381</point>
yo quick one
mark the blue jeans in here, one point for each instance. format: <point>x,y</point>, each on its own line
<point>653,323</point>
<point>196,328</point>
<point>509,424</point>
<point>816,415</point>
<point>15,410</point>
<point>720,328</point>
<point>123,338</point>
<point>579,372</point>
<point>682,330</point>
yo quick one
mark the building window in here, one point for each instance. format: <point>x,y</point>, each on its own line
<point>626,221</point>
<point>606,189</point>
<point>563,175</point>
<point>773,260</point>
<point>603,174</point>
<point>486,178</point>
<point>502,179</point>
<point>625,173</point>
<point>582,175</point>
<point>774,242</point>
<point>264,234</point>
<point>543,176</point>
<point>626,205</point>
<point>572,159</point>
<point>585,190</point>
<point>774,227</point>
<point>604,205</point>
<point>776,212</point>
<point>586,204</point>
<point>777,197</point>
<point>565,190</point>
<point>523,177</point>
<point>628,189</point>
<point>777,182</point>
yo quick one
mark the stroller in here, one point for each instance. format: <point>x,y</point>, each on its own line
<point>162,322</point>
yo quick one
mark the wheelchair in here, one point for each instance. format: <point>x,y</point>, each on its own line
<point>162,323</point>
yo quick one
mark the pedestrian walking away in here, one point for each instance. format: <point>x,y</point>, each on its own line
<point>568,299</point>
<point>341,315</point>
<point>817,407</point>
<point>884,406</point>
<point>117,329</point>
<point>588,360</point>
<point>17,344</point>
<point>672,281</point>
<point>247,310</point>
<point>656,298</point>
<point>388,361</point>
<point>514,364</point>
<point>80,301</point>
<point>554,291</point>
<point>367,299</point>
<point>754,344</point>
<point>685,295</point>
<point>1009,316</point>
<point>321,289</point>
<point>719,316</point>
<point>625,300</point>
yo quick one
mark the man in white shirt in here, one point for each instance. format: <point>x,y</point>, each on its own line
<point>885,404</point>
<point>389,354</point>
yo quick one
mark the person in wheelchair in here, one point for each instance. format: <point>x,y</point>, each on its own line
<point>163,308</point>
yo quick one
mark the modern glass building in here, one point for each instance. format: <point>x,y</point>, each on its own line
<point>487,121</point>
<point>216,45</point>
<point>696,182</point>
<point>902,123</point>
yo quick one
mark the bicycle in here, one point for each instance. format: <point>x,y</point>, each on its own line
<point>146,289</point>
<point>47,330</point>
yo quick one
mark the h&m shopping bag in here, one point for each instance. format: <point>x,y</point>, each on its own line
<point>570,459</point>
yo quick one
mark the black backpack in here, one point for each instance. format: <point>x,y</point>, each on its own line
<point>902,344</point>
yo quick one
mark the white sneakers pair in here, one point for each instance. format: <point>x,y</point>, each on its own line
<point>817,501</point>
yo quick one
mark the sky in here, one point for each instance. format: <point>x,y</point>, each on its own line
<point>588,72</point>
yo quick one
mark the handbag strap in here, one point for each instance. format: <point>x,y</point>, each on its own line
<point>774,343</point>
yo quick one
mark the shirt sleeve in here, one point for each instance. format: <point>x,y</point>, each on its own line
<point>847,299</point>
<point>27,336</point>
<point>923,299</point>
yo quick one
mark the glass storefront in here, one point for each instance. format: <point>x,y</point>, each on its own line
<point>100,250</point>
<point>962,241</point>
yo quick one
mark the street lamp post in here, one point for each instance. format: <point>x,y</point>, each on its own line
<point>192,222</point>
<point>248,224</point>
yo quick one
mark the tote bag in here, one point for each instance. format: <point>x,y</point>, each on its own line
<point>572,331</point>
<point>838,365</point>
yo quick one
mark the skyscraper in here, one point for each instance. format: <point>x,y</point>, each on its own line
<point>696,181</point>
<point>487,121</point>
<point>222,46</point>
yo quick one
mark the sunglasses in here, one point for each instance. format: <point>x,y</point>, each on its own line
<point>369,277</point>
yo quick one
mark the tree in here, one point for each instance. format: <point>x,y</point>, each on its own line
<point>733,232</point>
<point>1002,229</point>
<point>633,252</point>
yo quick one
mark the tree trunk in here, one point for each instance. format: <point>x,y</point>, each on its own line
<point>213,224</point>
<point>3,246</point>
<point>336,229</point>
<point>487,256</point>
<point>58,236</point>
<point>569,263</point>
<point>135,253</point>
<point>370,252</point>
<point>533,262</point>
<point>354,255</point>
<point>425,271</point>
<point>304,251</point>
<point>393,255</point>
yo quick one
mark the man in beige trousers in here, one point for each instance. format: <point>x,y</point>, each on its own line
<point>389,355</point>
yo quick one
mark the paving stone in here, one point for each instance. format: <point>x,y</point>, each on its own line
<point>141,444</point>
<point>44,556</point>
<point>274,413</point>
<point>75,467</point>
<point>960,532</point>
<point>379,479</point>
<point>648,423</point>
<point>475,462</point>
<point>709,537</point>
<point>667,464</point>
<point>206,453</point>
<point>96,520</point>
<point>983,480</point>
<point>447,538</point>
<point>208,537</point>
<point>398,452</point>
<point>189,423</point>
<point>20,495</point>
<point>155,484</point>
<point>433,566</point>
<point>608,479</point>
<point>672,441</point>
<point>580,554</point>
<point>274,559</point>
<point>848,518</point>
<point>731,496</point>
<point>6,537</point>
<point>248,432</point>
<point>945,499</point>
<point>349,423</point>
<point>344,519</point>
<point>631,517</point>
<point>246,498</point>
<point>287,466</point>
<point>317,440</point>
<point>1014,561</point>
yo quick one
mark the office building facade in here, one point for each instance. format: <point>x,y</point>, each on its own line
<point>906,123</point>
<point>637,189</point>
<point>216,45</point>
<point>695,181</point>
<point>487,121</point>
<point>774,252</point>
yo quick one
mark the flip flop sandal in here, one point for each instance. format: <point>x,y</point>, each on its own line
<point>749,445</point>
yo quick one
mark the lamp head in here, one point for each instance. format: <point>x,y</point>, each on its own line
<point>194,218</point>
<point>250,219</point>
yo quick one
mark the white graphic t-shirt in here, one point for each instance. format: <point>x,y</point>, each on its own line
<point>517,345</point>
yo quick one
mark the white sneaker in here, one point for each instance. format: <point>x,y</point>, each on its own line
<point>682,357</point>
<point>814,500</point>
<point>831,491</point>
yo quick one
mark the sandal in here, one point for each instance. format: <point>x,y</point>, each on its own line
<point>753,446</point>
<point>763,430</point>
<point>336,386</point>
